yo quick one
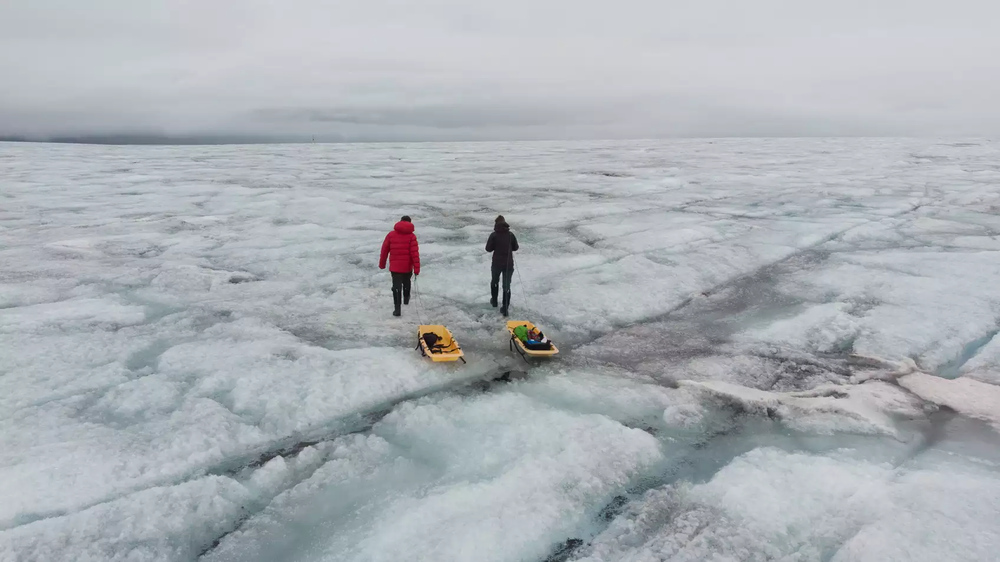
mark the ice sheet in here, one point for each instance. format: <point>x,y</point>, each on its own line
<point>176,522</point>
<point>184,326</point>
<point>770,504</point>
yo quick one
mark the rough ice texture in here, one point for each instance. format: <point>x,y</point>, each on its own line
<point>865,408</point>
<point>459,479</point>
<point>773,505</point>
<point>970,397</point>
<point>199,357</point>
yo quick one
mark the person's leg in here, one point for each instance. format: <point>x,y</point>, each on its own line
<point>397,293</point>
<point>506,291</point>
<point>406,288</point>
<point>494,284</point>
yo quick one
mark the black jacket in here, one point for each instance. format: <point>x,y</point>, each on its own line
<point>503,244</point>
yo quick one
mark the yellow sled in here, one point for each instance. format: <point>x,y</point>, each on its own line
<point>447,349</point>
<point>511,324</point>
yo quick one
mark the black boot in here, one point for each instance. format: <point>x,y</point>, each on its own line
<point>506,303</point>
<point>396,298</point>
<point>406,296</point>
<point>494,289</point>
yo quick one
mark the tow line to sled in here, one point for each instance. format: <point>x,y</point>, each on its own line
<point>520,343</point>
<point>434,340</point>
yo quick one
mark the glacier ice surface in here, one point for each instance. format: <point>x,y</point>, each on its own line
<point>772,350</point>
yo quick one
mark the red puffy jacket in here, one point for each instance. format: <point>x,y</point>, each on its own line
<point>400,246</point>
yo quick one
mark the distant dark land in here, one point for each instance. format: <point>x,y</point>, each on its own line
<point>152,139</point>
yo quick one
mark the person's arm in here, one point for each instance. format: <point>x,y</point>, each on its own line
<point>513,243</point>
<point>415,256</point>
<point>385,252</point>
<point>491,242</point>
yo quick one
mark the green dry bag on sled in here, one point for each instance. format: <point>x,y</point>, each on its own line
<point>521,333</point>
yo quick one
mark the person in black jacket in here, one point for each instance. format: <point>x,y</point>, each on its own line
<point>503,244</point>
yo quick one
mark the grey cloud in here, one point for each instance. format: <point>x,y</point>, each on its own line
<point>444,116</point>
<point>459,69</point>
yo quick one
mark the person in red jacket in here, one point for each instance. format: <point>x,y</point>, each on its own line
<point>400,247</point>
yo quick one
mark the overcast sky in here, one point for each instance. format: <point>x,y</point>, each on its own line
<point>456,69</point>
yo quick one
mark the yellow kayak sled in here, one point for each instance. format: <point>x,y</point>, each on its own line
<point>517,344</point>
<point>437,343</point>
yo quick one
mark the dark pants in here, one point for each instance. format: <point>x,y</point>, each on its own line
<point>497,271</point>
<point>401,288</point>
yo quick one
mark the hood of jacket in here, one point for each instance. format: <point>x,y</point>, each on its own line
<point>501,227</point>
<point>403,227</point>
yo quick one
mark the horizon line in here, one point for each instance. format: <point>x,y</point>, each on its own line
<point>224,140</point>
